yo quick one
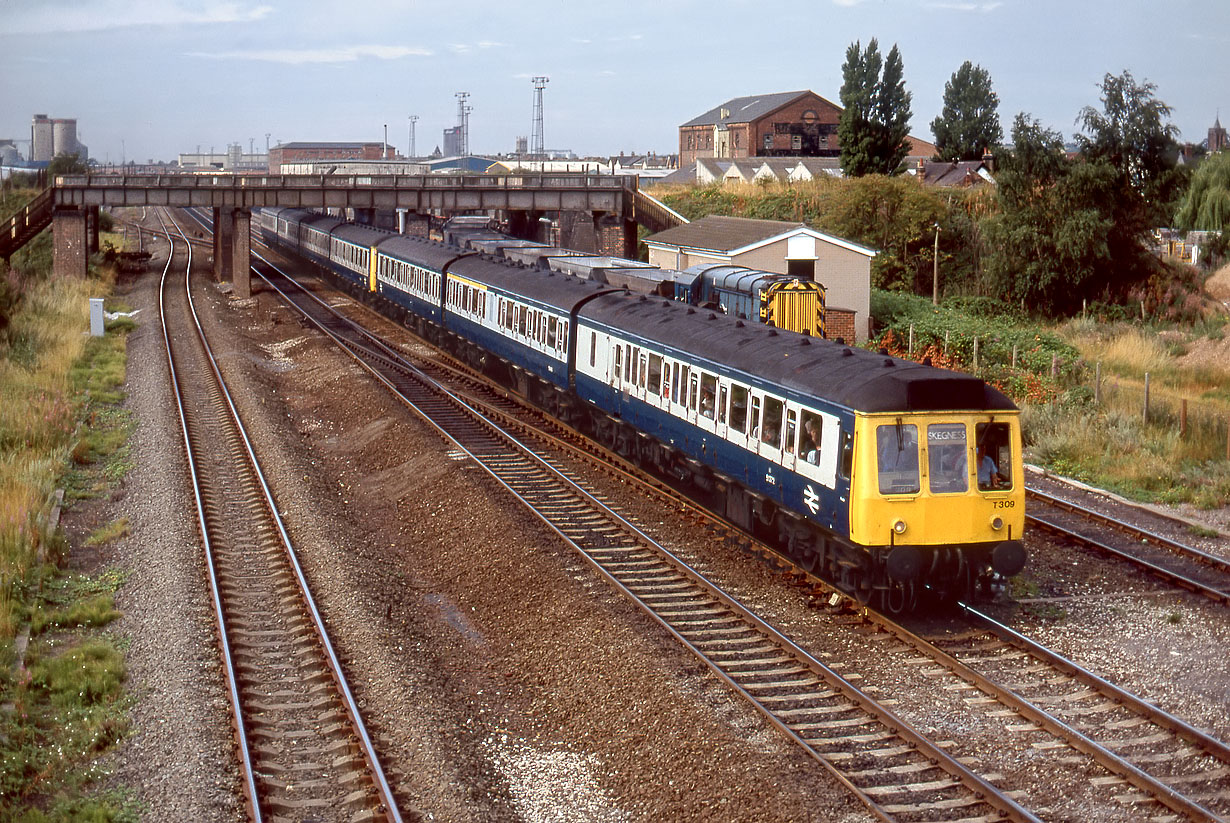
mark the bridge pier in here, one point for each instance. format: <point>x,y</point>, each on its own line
<point>91,216</point>
<point>233,248</point>
<point>69,243</point>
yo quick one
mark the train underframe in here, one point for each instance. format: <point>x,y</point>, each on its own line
<point>935,575</point>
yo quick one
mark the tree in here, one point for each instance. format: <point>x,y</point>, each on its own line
<point>1133,135</point>
<point>875,117</point>
<point>1207,205</point>
<point>64,163</point>
<point>1048,245</point>
<point>969,122</point>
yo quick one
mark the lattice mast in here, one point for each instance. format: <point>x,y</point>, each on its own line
<point>463,123</point>
<point>537,144</point>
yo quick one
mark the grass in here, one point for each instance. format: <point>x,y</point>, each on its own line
<point>61,424</point>
<point>109,533</point>
<point>1110,444</point>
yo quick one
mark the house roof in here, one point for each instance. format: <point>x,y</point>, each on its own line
<point>746,109</point>
<point>727,235</point>
<point>322,145</point>
<point>954,173</point>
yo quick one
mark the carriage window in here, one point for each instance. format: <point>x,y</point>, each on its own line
<point>654,382</point>
<point>994,441</point>
<point>628,362</point>
<point>619,362</point>
<point>708,394</point>
<point>754,417</point>
<point>897,458</point>
<point>738,408</point>
<point>674,393</point>
<point>642,373</point>
<point>771,431</point>
<point>521,320</point>
<point>809,436</point>
<point>847,454</point>
<point>684,381</point>
<point>593,344</point>
<point>947,467</point>
<point>791,428</point>
<point>553,327</point>
<point>563,335</point>
<point>693,391</point>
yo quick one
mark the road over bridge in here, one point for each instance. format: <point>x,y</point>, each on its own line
<point>597,213</point>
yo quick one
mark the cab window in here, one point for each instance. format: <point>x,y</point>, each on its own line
<point>897,458</point>
<point>994,456</point>
<point>947,467</point>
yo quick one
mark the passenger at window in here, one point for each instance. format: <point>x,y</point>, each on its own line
<point>809,443</point>
<point>706,404</point>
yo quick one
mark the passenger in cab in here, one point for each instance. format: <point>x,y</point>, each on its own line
<point>988,472</point>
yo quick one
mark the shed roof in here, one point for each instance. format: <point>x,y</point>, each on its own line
<point>731,234</point>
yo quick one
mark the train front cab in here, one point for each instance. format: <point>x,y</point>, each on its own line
<point>925,490</point>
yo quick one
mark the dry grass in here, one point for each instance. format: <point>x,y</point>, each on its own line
<point>1111,445</point>
<point>38,417</point>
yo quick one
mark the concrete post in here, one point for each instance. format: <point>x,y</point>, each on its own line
<point>224,243</point>
<point>69,255</point>
<point>241,262</point>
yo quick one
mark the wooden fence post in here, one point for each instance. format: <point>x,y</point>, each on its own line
<point>911,340</point>
<point>1183,419</point>
<point>1097,383</point>
<point>1054,365</point>
<point>1014,355</point>
<point>975,355</point>
<point>1146,409</point>
<point>946,344</point>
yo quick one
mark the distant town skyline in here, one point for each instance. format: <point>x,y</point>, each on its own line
<point>148,79</point>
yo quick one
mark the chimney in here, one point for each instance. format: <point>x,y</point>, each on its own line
<point>921,171</point>
<point>988,160</point>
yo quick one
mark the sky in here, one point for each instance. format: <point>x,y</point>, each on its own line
<point>149,79</point>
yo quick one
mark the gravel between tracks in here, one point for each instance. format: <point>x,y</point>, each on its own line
<point>501,678</point>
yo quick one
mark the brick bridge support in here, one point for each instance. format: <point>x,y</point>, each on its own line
<point>69,243</point>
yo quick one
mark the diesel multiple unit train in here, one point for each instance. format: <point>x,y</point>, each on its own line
<point>888,477</point>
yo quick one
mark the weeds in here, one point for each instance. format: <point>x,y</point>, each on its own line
<point>109,533</point>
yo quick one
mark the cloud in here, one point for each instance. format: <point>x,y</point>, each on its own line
<point>76,16</point>
<point>847,3</point>
<point>297,57</point>
<point>981,8</point>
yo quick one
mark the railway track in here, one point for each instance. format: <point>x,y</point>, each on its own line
<point>1169,560</point>
<point>301,744</point>
<point>1142,759</point>
<point>895,770</point>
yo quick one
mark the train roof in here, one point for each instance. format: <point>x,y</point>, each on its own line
<point>559,291</point>
<point>417,251</point>
<point>359,235</point>
<point>852,377</point>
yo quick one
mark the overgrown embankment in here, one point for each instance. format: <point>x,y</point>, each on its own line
<point>62,426</point>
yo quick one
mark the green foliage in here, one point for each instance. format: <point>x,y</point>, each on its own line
<point>969,122</point>
<point>1048,244</point>
<point>1207,204</point>
<point>65,163</point>
<point>875,118</point>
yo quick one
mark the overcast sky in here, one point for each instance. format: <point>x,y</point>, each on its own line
<point>152,78</point>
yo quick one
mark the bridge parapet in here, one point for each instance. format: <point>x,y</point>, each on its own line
<point>533,192</point>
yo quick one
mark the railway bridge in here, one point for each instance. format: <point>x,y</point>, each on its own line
<point>597,213</point>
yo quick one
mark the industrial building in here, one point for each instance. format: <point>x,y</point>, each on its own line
<point>52,136</point>
<point>234,159</point>
<point>308,152</point>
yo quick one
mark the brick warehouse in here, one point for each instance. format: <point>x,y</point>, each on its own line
<point>785,124</point>
<point>307,152</point>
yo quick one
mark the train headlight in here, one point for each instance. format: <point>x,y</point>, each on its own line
<point>899,527</point>
<point>997,523</point>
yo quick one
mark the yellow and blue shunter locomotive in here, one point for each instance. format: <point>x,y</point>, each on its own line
<point>887,477</point>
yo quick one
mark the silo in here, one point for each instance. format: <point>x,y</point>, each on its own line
<point>41,147</point>
<point>64,136</point>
